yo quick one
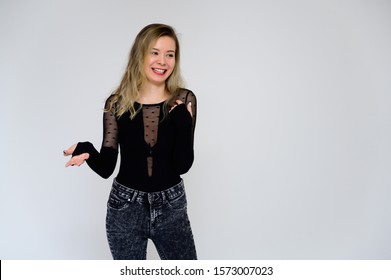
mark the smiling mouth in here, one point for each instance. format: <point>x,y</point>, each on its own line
<point>159,71</point>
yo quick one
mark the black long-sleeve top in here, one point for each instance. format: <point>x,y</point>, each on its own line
<point>156,148</point>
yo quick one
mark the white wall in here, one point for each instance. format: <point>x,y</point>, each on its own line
<point>293,136</point>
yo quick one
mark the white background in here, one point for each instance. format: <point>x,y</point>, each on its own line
<point>293,135</point>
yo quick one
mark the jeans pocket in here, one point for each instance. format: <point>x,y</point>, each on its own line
<point>178,203</point>
<point>117,200</point>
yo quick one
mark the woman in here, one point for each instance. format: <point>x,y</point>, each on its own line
<point>152,119</point>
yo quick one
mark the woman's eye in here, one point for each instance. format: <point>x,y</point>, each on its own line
<point>154,53</point>
<point>171,55</point>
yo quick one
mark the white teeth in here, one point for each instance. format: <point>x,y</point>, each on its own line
<point>161,71</point>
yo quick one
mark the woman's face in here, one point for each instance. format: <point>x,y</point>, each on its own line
<point>159,61</point>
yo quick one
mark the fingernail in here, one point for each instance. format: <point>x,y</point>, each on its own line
<point>64,153</point>
<point>190,103</point>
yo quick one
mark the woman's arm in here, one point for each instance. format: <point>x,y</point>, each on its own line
<point>103,162</point>
<point>184,117</point>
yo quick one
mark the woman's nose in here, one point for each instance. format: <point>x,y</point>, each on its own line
<point>162,60</point>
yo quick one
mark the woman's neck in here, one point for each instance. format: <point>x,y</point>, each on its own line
<point>152,94</point>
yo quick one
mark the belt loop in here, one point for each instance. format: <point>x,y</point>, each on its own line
<point>163,197</point>
<point>135,193</point>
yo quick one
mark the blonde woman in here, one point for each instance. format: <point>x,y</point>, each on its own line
<point>152,118</point>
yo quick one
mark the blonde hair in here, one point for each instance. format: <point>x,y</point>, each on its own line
<point>124,97</point>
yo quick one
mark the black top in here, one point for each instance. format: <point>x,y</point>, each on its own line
<point>156,147</point>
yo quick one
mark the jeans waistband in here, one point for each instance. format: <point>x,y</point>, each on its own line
<point>151,197</point>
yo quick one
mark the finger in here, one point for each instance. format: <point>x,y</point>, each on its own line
<point>70,150</point>
<point>189,108</point>
<point>77,160</point>
<point>72,162</point>
<point>69,163</point>
<point>175,104</point>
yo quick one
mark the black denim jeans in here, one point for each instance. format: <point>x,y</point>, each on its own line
<point>133,217</point>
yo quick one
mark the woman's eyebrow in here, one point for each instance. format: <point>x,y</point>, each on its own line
<point>155,49</point>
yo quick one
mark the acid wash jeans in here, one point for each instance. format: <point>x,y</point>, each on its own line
<point>134,216</point>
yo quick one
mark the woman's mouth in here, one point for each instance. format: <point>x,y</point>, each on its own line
<point>159,71</point>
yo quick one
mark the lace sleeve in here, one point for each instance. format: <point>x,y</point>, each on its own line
<point>110,127</point>
<point>185,127</point>
<point>188,96</point>
<point>103,162</point>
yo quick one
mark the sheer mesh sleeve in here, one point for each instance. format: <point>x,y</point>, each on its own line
<point>188,96</point>
<point>185,128</point>
<point>110,127</point>
<point>103,162</point>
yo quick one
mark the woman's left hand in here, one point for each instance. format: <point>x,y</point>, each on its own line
<point>188,106</point>
<point>75,160</point>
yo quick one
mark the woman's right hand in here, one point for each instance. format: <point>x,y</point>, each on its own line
<point>75,160</point>
<point>188,106</point>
